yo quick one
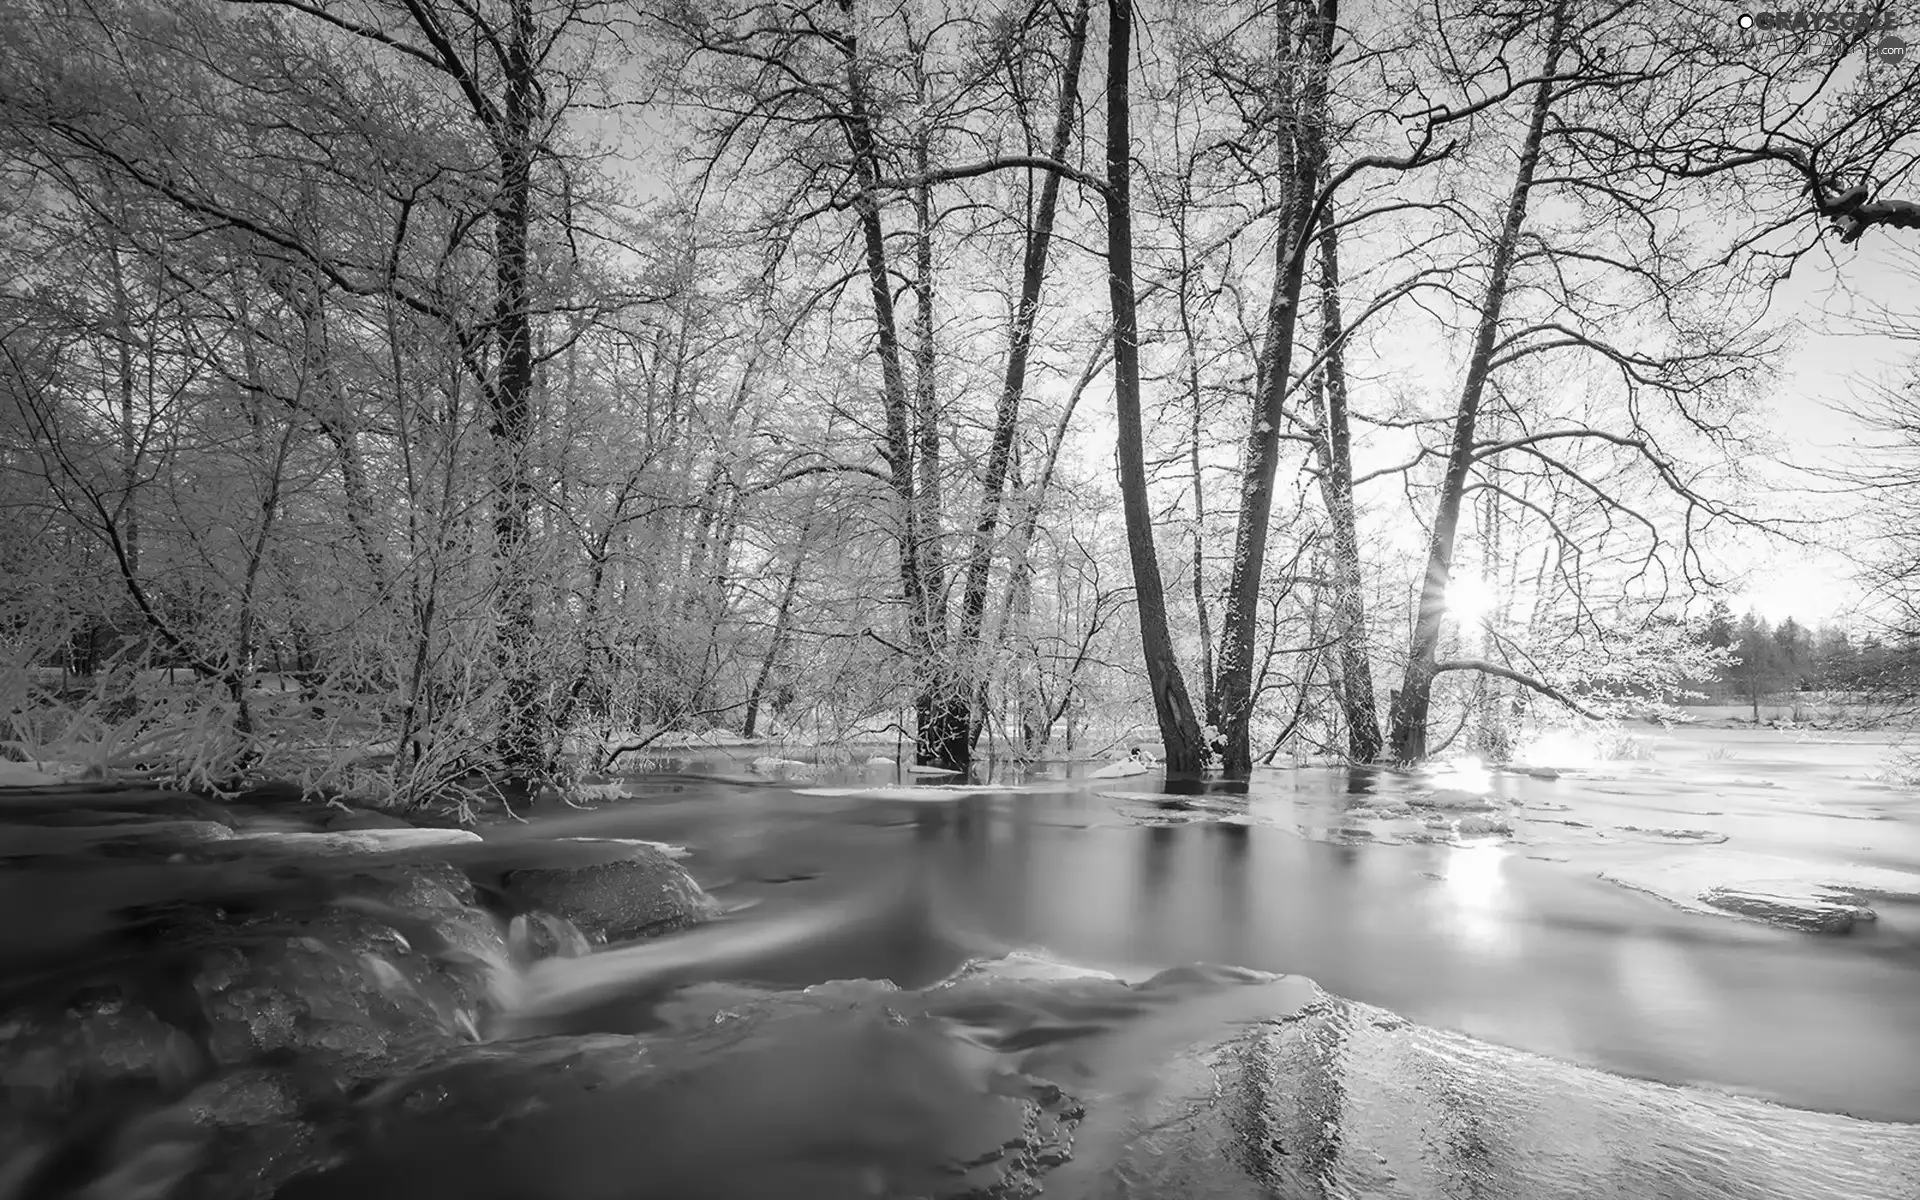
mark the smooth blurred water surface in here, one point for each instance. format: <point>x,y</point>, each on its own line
<point>1385,888</point>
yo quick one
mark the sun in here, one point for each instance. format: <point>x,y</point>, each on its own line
<point>1469,599</point>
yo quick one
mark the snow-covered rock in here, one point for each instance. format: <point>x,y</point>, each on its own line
<point>1123,769</point>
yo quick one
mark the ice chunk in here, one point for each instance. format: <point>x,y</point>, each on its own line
<point>1817,898</point>
<point>1479,826</point>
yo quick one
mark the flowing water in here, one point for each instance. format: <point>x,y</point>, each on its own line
<point>1694,975</point>
<point>1578,934</point>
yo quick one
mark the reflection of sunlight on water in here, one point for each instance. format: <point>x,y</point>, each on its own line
<point>1473,875</point>
<point>1559,748</point>
<point>1466,774</point>
<point>1476,887</point>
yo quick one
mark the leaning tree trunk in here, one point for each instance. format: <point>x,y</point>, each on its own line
<point>1335,447</point>
<point>1261,455</point>
<point>1186,751</point>
<point>1006,423</point>
<point>1415,697</point>
<point>782,624</point>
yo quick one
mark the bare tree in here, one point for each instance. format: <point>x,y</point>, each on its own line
<point>1179,729</point>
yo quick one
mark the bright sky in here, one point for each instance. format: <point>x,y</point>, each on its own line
<point>1835,293</point>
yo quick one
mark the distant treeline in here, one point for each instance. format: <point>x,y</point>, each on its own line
<point>1771,659</point>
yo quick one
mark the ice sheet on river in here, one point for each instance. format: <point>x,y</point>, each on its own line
<point>1817,898</point>
<point>932,792</point>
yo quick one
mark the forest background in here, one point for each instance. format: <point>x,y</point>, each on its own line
<point>410,396</point>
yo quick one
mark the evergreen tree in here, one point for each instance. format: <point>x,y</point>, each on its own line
<point>1720,626</point>
<point>1836,662</point>
<point>1759,669</point>
<point>1795,646</point>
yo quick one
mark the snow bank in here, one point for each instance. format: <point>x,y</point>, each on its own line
<point>16,774</point>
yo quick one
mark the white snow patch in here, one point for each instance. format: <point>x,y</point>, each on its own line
<point>877,761</point>
<point>1123,769</point>
<point>18,774</point>
<point>929,770</point>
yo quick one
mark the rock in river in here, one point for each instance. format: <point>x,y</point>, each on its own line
<point>198,1002</point>
<point>613,890</point>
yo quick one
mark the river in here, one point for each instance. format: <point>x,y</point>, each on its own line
<point>1693,973</point>
<point>1550,938</point>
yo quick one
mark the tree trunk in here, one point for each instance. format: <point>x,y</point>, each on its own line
<point>782,620</point>
<point>1336,488</point>
<point>944,708</point>
<point>1186,753</point>
<point>926,637</point>
<point>1203,617</point>
<point>1494,735</point>
<point>1416,687</point>
<point>1261,456</point>
<point>1006,423</point>
<point>510,399</point>
<point>128,507</point>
